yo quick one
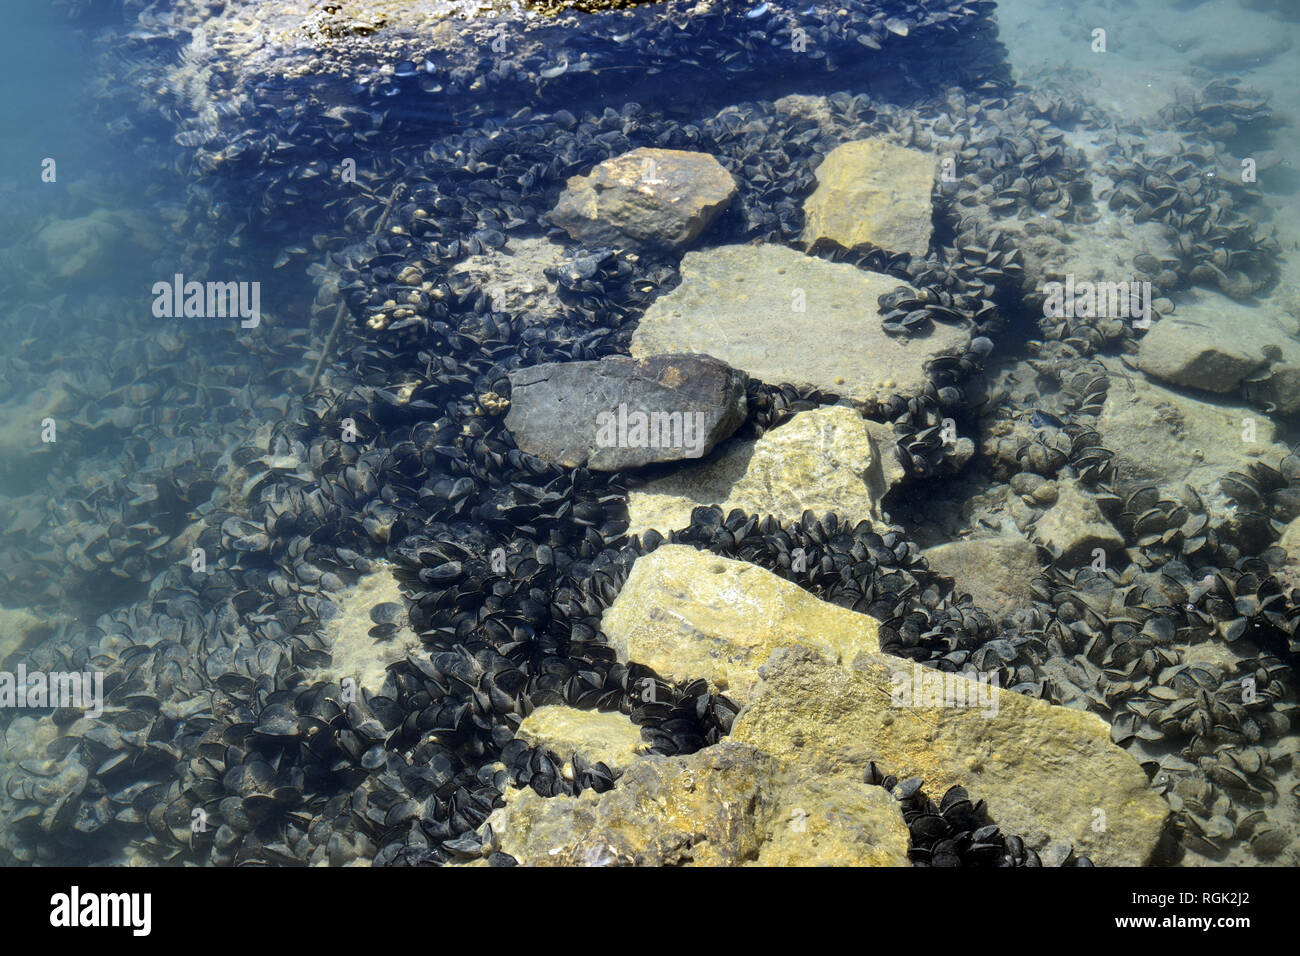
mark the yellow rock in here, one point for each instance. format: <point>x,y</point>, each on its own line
<point>872,191</point>
<point>835,822</point>
<point>706,809</point>
<point>825,460</point>
<point>725,805</point>
<point>1045,771</point>
<point>687,614</point>
<point>609,738</point>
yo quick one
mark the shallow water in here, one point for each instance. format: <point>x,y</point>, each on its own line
<point>193,513</point>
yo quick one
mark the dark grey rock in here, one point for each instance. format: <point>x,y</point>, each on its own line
<point>624,413</point>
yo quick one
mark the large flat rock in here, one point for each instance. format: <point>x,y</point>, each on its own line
<point>623,413</point>
<point>645,199</point>
<point>824,460</point>
<point>742,305</point>
<point>686,614</point>
<point>1048,773</point>
<point>872,191</point>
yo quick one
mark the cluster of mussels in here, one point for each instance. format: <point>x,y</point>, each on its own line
<point>958,832</point>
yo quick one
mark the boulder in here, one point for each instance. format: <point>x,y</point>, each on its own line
<point>786,317</point>
<point>1213,343</point>
<point>1047,773</point>
<point>622,413</point>
<point>608,738</point>
<point>1074,527</point>
<point>995,571</point>
<point>1173,439</point>
<point>686,614</point>
<point>872,191</point>
<point>660,199</point>
<point>707,809</point>
<point>824,460</point>
<point>726,805</point>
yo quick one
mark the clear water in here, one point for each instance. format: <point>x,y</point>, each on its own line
<point>84,352</point>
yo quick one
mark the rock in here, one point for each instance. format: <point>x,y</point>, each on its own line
<point>1213,343</point>
<point>1289,573</point>
<point>742,304</point>
<point>824,460</point>
<point>994,571</point>
<point>515,278</point>
<point>1074,527</point>
<point>1227,38</point>
<point>624,413</point>
<point>609,738</point>
<point>18,628</point>
<point>726,805</point>
<point>687,614</point>
<point>646,199</point>
<point>1041,768</point>
<point>707,809</point>
<point>82,248</point>
<point>354,654</point>
<point>1172,439</point>
<point>871,191</point>
<point>834,822</point>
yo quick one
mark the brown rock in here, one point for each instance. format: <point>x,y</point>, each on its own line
<point>645,199</point>
<point>873,191</point>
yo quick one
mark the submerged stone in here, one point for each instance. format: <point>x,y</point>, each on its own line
<point>1174,439</point>
<point>1074,528</point>
<point>686,614</point>
<point>994,571</point>
<point>871,191</point>
<point>645,199</point>
<point>1043,770</point>
<point>608,738</point>
<point>624,413</point>
<point>824,460</point>
<point>782,316</point>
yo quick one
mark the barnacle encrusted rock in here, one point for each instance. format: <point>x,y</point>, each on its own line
<point>824,460</point>
<point>726,805</point>
<point>782,316</point>
<point>686,614</point>
<point>596,737</point>
<point>873,191</point>
<point>645,199</point>
<point>1049,773</point>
